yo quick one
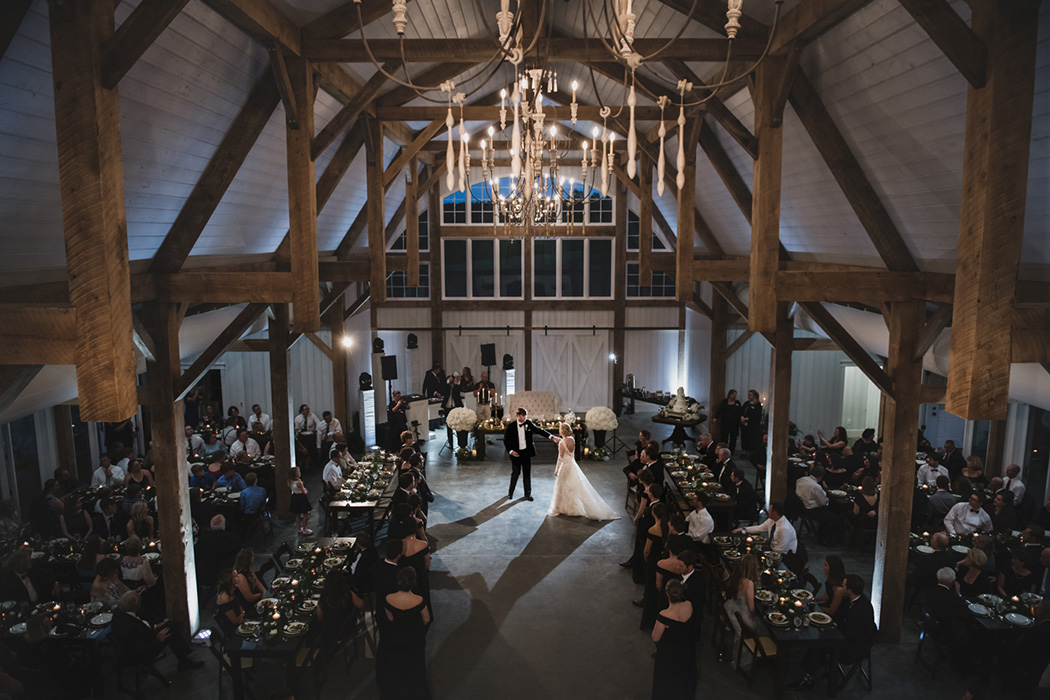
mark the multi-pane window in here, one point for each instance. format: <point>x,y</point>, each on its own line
<point>634,233</point>
<point>601,209</point>
<point>659,286</point>
<point>455,208</point>
<point>572,267</point>
<point>397,284</point>
<point>401,243</point>
<point>478,206</point>
<point>482,268</point>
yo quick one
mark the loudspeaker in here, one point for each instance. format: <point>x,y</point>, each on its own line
<point>488,354</point>
<point>389,363</point>
<point>364,381</point>
<point>508,362</point>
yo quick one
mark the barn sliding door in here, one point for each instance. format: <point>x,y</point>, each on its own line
<point>573,365</point>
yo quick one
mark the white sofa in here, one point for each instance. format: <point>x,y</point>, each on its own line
<point>541,405</point>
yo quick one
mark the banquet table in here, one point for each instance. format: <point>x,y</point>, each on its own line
<point>373,480</point>
<point>792,640</point>
<point>679,434</point>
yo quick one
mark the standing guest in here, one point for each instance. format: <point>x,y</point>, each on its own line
<point>249,587</point>
<point>110,523</point>
<point>830,600</point>
<point>857,625</point>
<point>655,539</point>
<point>744,494</point>
<point>1004,515</point>
<point>701,524</point>
<point>434,382</point>
<point>728,416</point>
<point>216,550</point>
<point>751,424</point>
<point>942,500</point>
<point>194,444</point>
<point>741,602</point>
<point>397,413</point>
<point>970,579</point>
<point>191,406</point>
<point>230,479</point>
<point>140,522</point>
<point>307,438</point>
<point>253,497</point>
<point>336,612</point>
<point>362,556</point>
<point>244,445</point>
<point>75,522</point>
<point>953,460</point>
<point>1013,483</point>
<point>651,460</point>
<point>866,505</point>
<point>642,522</point>
<point>107,475</point>
<point>416,554</point>
<point>382,576</point>
<point>259,422</point>
<point>836,443</point>
<point>331,431</point>
<point>408,439</point>
<point>866,443</point>
<point>454,392</point>
<point>300,504</point>
<point>467,380</point>
<point>674,633</point>
<point>928,473</point>
<point>138,642</point>
<point>484,393</point>
<point>968,518</point>
<point>401,659</point>
<point>778,530</point>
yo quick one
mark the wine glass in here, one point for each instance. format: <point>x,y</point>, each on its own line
<point>798,622</point>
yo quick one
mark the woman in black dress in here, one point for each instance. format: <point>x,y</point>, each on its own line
<point>401,667</point>
<point>866,505</point>
<point>751,424</point>
<point>229,611</point>
<point>675,634</point>
<point>416,554</point>
<point>728,415</point>
<point>1017,577</point>
<point>970,578</point>
<point>655,539</point>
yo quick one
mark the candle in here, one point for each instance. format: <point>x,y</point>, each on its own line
<point>798,603</point>
<point>277,616</point>
<point>574,86</point>
<point>295,582</point>
<point>750,539</point>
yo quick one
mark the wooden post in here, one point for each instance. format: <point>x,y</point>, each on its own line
<point>898,467</point>
<point>991,223</point>
<point>281,408</point>
<point>374,206</point>
<point>67,453</point>
<point>302,200</point>
<point>765,216</point>
<point>412,221</point>
<point>172,472</point>
<point>684,262</point>
<point>645,221</point>
<point>779,407</point>
<point>619,340</point>
<point>340,385</point>
<point>91,178</point>
<point>719,327</point>
<point>993,462</point>
<point>437,334</point>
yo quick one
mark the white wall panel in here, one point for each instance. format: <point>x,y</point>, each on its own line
<point>246,381</point>
<point>697,356</point>
<point>652,357</point>
<point>575,366</point>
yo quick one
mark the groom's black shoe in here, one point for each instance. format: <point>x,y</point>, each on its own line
<point>510,496</point>
<point>529,498</point>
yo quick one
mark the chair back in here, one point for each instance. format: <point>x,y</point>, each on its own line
<point>747,633</point>
<point>269,566</point>
<point>282,555</point>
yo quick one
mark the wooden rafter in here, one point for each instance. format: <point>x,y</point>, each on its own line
<point>739,342</point>
<point>940,320</point>
<point>357,305</point>
<point>412,221</point>
<point>712,14</point>
<point>410,152</point>
<point>284,84</point>
<point>206,359</point>
<point>134,35</point>
<point>350,111</point>
<point>374,206</point>
<point>143,340</point>
<point>727,172</point>
<point>716,108</point>
<point>432,76</point>
<point>260,20</point>
<point>13,381</point>
<point>953,36</point>
<point>346,19</point>
<point>32,334</point>
<point>860,357</point>
<point>302,202</point>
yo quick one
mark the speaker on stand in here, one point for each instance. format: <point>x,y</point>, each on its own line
<point>388,363</point>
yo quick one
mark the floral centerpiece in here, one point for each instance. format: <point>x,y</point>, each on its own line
<point>601,419</point>
<point>370,478</point>
<point>462,420</point>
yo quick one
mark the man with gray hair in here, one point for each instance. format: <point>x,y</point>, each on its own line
<point>946,613</point>
<point>139,641</point>
<point>723,469</point>
<point>1012,481</point>
<point>215,551</point>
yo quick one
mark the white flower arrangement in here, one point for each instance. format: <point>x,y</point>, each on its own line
<point>462,418</point>
<point>601,418</point>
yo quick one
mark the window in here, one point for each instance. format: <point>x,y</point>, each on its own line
<point>660,285</point>
<point>482,268</point>
<point>479,206</point>
<point>572,267</point>
<point>397,284</point>
<point>401,244</point>
<point>634,225</point>
<point>601,209</point>
<point>573,210</point>
<point>455,208</point>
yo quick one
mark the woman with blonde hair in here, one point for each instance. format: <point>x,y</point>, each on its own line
<point>141,522</point>
<point>741,600</point>
<point>573,493</point>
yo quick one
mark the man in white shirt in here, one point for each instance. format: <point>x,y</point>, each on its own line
<point>194,443</point>
<point>333,473</point>
<point>125,459</point>
<point>809,490</point>
<point>968,518</point>
<point>928,473</point>
<point>701,524</point>
<point>1013,482</point>
<point>243,443</point>
<point>259,417</point>
<point>107,474</point>
<point>779,532</point>
<point>307,445</point>
<point>331,427</point>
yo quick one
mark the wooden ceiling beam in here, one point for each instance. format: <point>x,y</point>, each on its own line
<point>953,36</point>
<point>940,320</point>
<point>411,151</point>
<point>38,334</point>
<point>302,202</point>
<point>431,77</point>
<point>346,19</point>
<point>12,13</point>
<point>350,111</point>
<point>716,108</point>
<point>260,20</point>
<point>484,50</point>
<point>13,381</point>
<point>358,304</point>
<point>284,84</point>
<point>374,205</point>
<point>729,270</point>
<point>134,35</point>
<point>712,14</point>
<point>700,305</point>
<point>1030,335</point>
<point>217,175</point>
<point>223,287</point>
<point>870,287</point>
<point>808,20</point>
<point>207,358</point>
<point>727,172</point>
<point>864,362</point>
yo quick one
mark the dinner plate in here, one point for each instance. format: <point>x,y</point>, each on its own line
<point>114,555</point>
<point>989,599</point>
<point>720,496</point>
<point>341,546</point>
<point>978,609</point>
<point>666,455</point>
<point>332,562</point>
<point>101,620</point>
<point>293,563</point>
<point>1031,598</point>
<point>308,605</point>
<point>723,539</point>
<point>924,549</point>
<point>18,629</point>
<point>774,556</point>
<point>63,631</point>
<point>248,629</point>
<point>234,496</point>
<point>294,629</point>
<point>92,606</point>
<point>820,619</point>
<point>266,603</point>
<point>802,594</point>
<point>39,555</point>
<point>764,596</point>
<point>8,605</point>
<point>733,554</point>
<point>152,556</point>
<point>961,549</point>
<point>678,474</point>
<point>837,493</point>
<point>318,582</point>
<point>60,540</point>
<point>280,582</point>
<point>1017,619</point>
<point>759,539</point>
<point>305,546</point>
<point>778,619</point>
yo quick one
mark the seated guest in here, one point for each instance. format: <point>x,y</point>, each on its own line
<point>926,567</point>
<point>970,578</point>
<point>132,495</point>
<point>244,444</point>
<point>836,443</point>
<point>651,460</point>
<point>778,531</point>
<point>706,447</point>
<point>968,518</point>
<point>213,450</point>
<point>230,479</point>
<point>866,443</point>
<point>700,522</point>
<point>941,501</point>
<point>258,421</point>
<point>134,566</point>
<point>137,475</point>
<point>814,498</point>
<point>141,522</point>
<point>857,625</point>
<point>75,522</point>
<point>249,588</point>
<point>974,472</point>
<point>948,617</point>
<point>986,544</point>
<point>194,444</point>
<point>744,494</point>
<point>723,468</point>
<point>229,432</point>
<point>830,599</point>
<point>870,467</point>
<point>333,473</point>
<point>138,642</point>
<point>253,497</point>
<point>406,483</point>
<point>838,469</point>
<point>107,475</point>
<point>928,473</point>
<point>215,550</point>
<point>107,587</point>
<point>1017,578</point>
<point>19,582</point>
<point>110,523</point>
<point>228,610</point>
<point>808,447</point>
<point>1012,482</point>
<point>741,604</point>
<point>1004,516</point>
<point>644,438</point>
<point>866,505</point>
<point>201,478</point>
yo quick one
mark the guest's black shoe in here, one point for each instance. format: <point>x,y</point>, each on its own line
<point>627,564</point>
<point>638,603</point>
<point>805,684</point>
<point>529,498</point>
<point>189,663</point>
<point>510,496</point>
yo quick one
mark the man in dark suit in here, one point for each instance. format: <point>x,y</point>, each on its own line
<point>694,586</point>
<point>857,624</point>
<point>953,460</point>
<point>723,468</point>
<point>382,577</point>
<point>707,449</point>
<point>19,582</point>
<point>651,460</point>
<point>111,522</point>
<point>744,494</point>
<point>927,565</point>
<point>139,642</point>
<point>215,551</point>
<point>946,616</point>
<point>518,441</point>
<point>434,382</point>
<point>405,483</point>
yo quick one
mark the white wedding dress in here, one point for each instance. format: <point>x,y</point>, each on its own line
<point>573,493</point>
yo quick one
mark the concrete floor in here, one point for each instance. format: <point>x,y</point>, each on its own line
<point>533,607</point>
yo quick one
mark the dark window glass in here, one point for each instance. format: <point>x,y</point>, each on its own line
<point>632,280</point>
<point>572,267</point>
<point>510,268</point>
<point>601,209</point>
<point>455,208</point>
<point>633,225</point>
<point>546,267</point>
<point>397,284</point>
<point>455,268</point>
<point>483,268</point>
<point>599,268</point>
<point>424,231</point>
<point>658,244</point>
<point>481,212</point>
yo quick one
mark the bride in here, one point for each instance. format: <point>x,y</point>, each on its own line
<point>573,493</point>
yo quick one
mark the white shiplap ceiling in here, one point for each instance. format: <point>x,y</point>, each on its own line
<point>898,101</point>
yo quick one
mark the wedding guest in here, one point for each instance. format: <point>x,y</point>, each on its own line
<point>744,494</point>
<point>75,522</point>
<point>866,443</point>
<point>701,524</point>
<point>652,461</point>
<point>19,582</point>
<point>778,530</point>
<point>201,478</point>
<point>675,636</point>
<point>866,505</point>
<point>228,609</point>
<point>216,550</point>
<point>941,501</point>
<point>837,470</point>
<point>253,497</point>
<point>134,566</point>
<point>655,539</point>
<point>307,438</point>
<point>107,475</point>
<point>830,599</point>
<point>434,382</point>
<point>644,438</point>
<point>928,473</point>
<point>244,445</point>
<point>953,460</point>
<point>416,554</point>
<point>724,467</point>
<point>259,422</point>
<point>728,416</point>
<point>484,394</point>
<point>249,587</point>
<point>107,587</point>
<point>751,425</point>
<point>870,467</point>
<point>836,443</point>
<point>808,447</point>
<point>336,613</point>
<point>332,475</point>
<point>194,443</point>
<point>331,432</point>
<point>1004,515</point>
<point>382,576</point>
<point>644,500</point>
<point>110,523</point>
<point>139,642</point>
<point>300,504</point>
<point>857,625</point>
<point>706,447</point>
<point>670,567</point>
<point>229,433</point>
<point>1013,482</point>
<point>974,472</point>
<point>397,413</point>
<point>947,617</point>
<point>401,657</point>
<point>1017,578</point>
<point>238,420</point>
<point>741,602</point>
<point>230,479</point>
<point>814,498</point>
<point>141,522</point>
<point>970,579</point>
<point>968,518</point>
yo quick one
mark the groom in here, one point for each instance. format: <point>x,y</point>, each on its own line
<point>518,441</point>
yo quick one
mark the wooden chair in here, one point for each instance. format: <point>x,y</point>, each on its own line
<point>722,632</point>
<point>268,566</point>
<point>217,646</point>
<point>848,672</point>
<point>762,649</point>
<point>809,579</point>
<point>928,636</point>
<point>282,555</point>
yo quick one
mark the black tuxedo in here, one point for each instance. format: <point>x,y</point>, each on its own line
<point>633,468</point>
<point>858,627</point>
<point>746,499</point>
<point>12,588</point>
<point>954,463</point>
<point>434,384</point>
<point>522,464</point>
<point>383,579</point>
<point>709,456</point>
<point>695,594</point>
<point>118,525</point>
<point>657,468</point>
<point>722,472</point>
